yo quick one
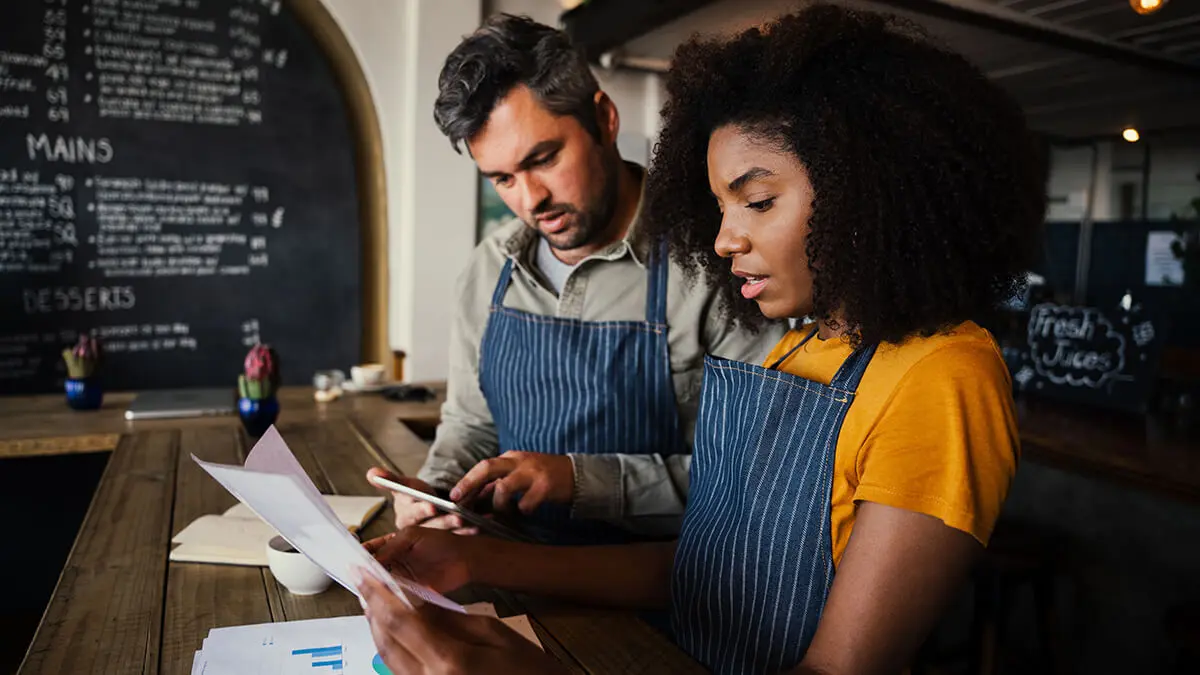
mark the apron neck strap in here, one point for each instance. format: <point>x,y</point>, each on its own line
<point>793,350</point>
<point>502,283</point>
<point>849,374</point>
<point>656,286</point>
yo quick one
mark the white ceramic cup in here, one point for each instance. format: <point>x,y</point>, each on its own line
<point>367,374</point>
<point>294,570</point>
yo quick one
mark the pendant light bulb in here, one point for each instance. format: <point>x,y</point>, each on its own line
<point>1147,6</point>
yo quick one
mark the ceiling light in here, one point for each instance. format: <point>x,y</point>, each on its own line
<point>1147,6</point>
<point>1130,134</point>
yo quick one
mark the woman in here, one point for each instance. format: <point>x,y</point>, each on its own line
<point>842,169</point>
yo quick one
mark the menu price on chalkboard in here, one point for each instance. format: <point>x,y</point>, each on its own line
<point>1087,355</point>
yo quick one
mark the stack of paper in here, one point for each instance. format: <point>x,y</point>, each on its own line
<point>342,646</point>
<point>238,537</point>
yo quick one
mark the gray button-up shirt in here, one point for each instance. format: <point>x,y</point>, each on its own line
<point>642,492</point>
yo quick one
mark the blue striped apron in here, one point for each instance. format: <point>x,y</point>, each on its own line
<point>755,560</point>
<point>559,385</point>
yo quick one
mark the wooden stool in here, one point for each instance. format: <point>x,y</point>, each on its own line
<point>1182,624</point>
<point>1018,554</point>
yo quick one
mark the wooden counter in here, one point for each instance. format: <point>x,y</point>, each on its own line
<point>1134,450</point>
<point>121,607</point>
<point>1142,451</point>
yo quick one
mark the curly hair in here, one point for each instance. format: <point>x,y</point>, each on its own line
<point>929,188</point>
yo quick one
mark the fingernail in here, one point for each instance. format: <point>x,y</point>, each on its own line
<point>455,494</point>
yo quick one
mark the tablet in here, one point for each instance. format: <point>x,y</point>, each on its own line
<point>445,506</point>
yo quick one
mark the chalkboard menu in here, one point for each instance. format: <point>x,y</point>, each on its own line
<point>1106,358</point>
<point>177,178</point>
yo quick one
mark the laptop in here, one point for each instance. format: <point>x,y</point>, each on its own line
<point>165,403</point>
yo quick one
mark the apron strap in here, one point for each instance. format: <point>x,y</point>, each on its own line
<point>502,284</point>
<point>656,286</point>
<point>793,350</point>
<point>851,372</point>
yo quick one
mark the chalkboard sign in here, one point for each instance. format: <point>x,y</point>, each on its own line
<point>1089,356</point>
<point>177,178</point>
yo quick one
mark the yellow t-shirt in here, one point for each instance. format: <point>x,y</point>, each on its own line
<point>932,428</point>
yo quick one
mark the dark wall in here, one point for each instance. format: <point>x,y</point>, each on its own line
<point>1118,263</point>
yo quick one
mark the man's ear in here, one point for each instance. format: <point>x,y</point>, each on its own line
<point>607,118</point>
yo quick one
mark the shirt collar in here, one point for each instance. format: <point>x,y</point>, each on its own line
<point>522,245</point>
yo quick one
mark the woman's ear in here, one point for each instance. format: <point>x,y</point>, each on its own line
<point>607,118</point>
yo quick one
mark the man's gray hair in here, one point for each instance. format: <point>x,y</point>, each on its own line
<point>507,51</point>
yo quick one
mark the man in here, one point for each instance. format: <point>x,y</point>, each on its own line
<point>577,353</point>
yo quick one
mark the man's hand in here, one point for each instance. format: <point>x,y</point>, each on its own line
<point>542,478</point>
<point>430,557</point>
<point>431,640</point>
<point>411,512</point>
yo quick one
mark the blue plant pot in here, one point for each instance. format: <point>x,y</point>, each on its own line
<point>258,414</point>
<point>84,394</point>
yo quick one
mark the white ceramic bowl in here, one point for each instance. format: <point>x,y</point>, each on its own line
<point>367,374</point>
<point>294,570</point>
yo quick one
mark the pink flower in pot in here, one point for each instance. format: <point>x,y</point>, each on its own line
<point>261,377</point>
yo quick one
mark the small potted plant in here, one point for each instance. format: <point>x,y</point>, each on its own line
<point>257,386</point>
<point>84,391</point>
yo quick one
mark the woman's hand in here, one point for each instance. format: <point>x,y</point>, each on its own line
<point>433,558</point>
<point>431,640</point>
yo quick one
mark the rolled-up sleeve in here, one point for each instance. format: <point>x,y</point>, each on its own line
<point>467,433</point>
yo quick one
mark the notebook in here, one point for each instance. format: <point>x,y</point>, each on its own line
<point>239,537</point>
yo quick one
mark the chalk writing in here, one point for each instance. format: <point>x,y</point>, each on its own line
<point>1075,346</point>
<point>1088,355</point>
<point>69,150</point>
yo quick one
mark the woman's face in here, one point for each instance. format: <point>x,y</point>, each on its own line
<point>766,201</point>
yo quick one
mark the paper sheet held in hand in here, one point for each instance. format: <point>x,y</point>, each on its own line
<point>273,485</point>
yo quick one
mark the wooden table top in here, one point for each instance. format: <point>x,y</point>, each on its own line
<point>121,607</point>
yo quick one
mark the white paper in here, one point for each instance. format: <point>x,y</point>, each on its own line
<point>341,645</point>
<point>281,494</point>
<point>271,455</point>
<point>352,510</point>
<point>294,647</point>
<point>1162,267</point>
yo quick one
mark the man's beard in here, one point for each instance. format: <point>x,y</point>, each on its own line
<point>589,225</point>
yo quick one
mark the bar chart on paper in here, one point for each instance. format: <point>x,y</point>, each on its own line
<point>340,646</point>
<point>322,658</point>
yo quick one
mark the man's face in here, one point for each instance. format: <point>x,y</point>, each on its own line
<point>548,170</point>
